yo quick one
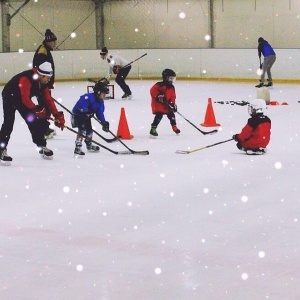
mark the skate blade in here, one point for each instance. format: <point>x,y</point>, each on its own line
<point>5,163</point>
<point>47,157</point>
<point>153,136</point>
<point>93,151</point>
<point>78,156</point>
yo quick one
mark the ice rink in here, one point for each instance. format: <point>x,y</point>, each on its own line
<point>214,224</point>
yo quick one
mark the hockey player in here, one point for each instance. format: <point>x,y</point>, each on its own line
<point>84,109</point>
<point>255,136</point>
<point>269,58</point>
<point>119,66</point>
<point>163,101</point>
<point>17,94</point>
<point>42,54</point>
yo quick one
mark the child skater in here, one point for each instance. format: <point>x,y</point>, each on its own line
<point>163,101</point>
<point>88,105</point>
<point>255,136</point>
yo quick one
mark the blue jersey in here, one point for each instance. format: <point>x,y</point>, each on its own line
<point>265,48</point>
<point>87,105</point>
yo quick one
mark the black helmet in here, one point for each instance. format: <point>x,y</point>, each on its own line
<point>100,87</point>
<point>167,73</point>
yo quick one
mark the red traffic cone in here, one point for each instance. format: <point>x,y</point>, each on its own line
<point>209,120</point>
<point>123,129</point>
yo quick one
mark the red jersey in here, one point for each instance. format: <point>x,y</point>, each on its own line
<point>256,133</point>
<point>161,88</point>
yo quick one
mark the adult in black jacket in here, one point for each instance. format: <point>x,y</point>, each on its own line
<point>17,94</point>
<point>43,54</point>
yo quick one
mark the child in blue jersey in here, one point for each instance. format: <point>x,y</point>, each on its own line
<point>84,109</point>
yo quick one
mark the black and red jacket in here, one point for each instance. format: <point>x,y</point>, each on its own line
<point>23,86</point>
<point>256,132</point>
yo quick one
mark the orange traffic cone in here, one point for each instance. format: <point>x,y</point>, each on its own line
<point>209,120</point>
<point>123,129</point>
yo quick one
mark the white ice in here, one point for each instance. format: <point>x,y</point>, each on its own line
<point>213,224</point>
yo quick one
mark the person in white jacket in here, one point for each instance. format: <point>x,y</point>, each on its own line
<point>118,66</point>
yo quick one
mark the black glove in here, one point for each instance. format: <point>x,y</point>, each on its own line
<point>235,137</point>
<point>105,126</point>
<point>173,107</point>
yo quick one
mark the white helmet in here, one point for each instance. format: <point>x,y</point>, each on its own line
<point>256,106</point>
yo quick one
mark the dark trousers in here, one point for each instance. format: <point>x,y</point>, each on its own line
<point>158,117</point>
<point>36,126</point>
<point>120,79</point>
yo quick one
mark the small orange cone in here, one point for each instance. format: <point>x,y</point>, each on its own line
<point>209,120</point>
<point>123,129</point>
<point>274,102</point>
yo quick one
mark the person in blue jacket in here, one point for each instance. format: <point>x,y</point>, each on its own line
<point>84,109</point>
<point>269,58</point>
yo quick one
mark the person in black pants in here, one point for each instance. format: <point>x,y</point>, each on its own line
<point>120,67</point>
<point>41,55</point>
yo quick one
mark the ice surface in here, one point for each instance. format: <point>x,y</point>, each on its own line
<point>213,224</point>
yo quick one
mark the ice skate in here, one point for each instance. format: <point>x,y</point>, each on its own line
<point>46,153</point>
<point>258,151</point>
<point>269,84</point>
<point>92,148</point>
<point>49,133</point>
<point>78,153</point>
<point>153,133</point>
<point>175,129</point>
<point>127,96</point>
<point>261,84</point>
<point>5,160</point>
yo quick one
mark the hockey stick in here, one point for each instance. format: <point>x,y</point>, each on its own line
<point>92,80</point>
<point>203,132</point>
<point>97,133</point>
<point>241,103</point>
<point>143,152</point>
<point>201,148</point>
<point>93,141</point>
<point>134,61</point>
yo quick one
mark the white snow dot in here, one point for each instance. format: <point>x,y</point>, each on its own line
<point>79,268</point>
<point>244,276</point>
<point>60,211</point>
<point>261,254</point>
<point>203,240</point>
<point>278,165</point>
<point>21,50</point>
<point>122,166</point>
<point>129,203</point>
<point>206,191</point>
<point>295,220</point>
<point>72,35</point>
<point>104,214</point>
<point>244,199</point>
<point>157,271</point>
<point>182,15</point>
<point>162,175</point>
<point>210,212</point>
<point>66,189</point>
<point>207,37</point>
<point>259,72</point>
<point>172,194</point>
<point>135,227</point>
<point>225,163</point>
<point>204,71</point>
<point>136,29</point>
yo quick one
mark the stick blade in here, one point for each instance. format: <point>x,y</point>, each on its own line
<point>146,152</point>
<point>182,152</point>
